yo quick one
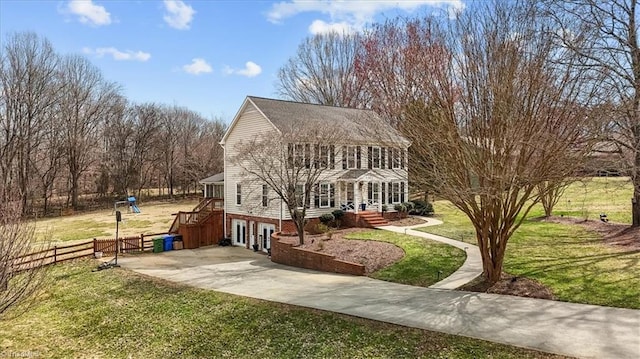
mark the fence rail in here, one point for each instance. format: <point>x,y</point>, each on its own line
<point>58,254</point>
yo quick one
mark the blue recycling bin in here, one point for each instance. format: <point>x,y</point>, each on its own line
<point>168,242</point>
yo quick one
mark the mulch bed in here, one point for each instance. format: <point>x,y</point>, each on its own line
<point>403,222</point>
<point>614,234</point>
<point>373,255</point>
<point>511,285</point>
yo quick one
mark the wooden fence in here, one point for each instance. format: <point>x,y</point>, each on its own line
<point>57,254</point>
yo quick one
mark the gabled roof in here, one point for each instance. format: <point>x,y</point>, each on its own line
<point>216,178</point>
<point>362,125</point>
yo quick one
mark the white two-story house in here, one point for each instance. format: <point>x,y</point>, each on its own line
<point>365,172</point>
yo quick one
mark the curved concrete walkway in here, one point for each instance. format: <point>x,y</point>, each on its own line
<point>470,269</point>
<point>579,330</point>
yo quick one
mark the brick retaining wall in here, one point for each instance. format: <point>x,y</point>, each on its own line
<point>289,254</point>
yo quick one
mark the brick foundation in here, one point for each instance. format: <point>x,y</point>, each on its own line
<point>289,254</point>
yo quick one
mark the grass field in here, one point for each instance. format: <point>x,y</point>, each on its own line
<point>422,261</point>
<point>570,260</point>
<point>120,314</point>
<point>155,217</point>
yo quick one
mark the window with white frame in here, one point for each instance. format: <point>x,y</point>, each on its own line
<point>396,192</point>
<point>238,194</point>
<point>375,157</point>
<point>325,194</point>
<point>352,157</point>
<point>265,195</point>
<point>395,158</point>
<point>324,156</point>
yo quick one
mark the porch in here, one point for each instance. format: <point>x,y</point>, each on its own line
<point>364,190</point>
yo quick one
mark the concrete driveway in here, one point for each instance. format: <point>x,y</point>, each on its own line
<point>579,330</point>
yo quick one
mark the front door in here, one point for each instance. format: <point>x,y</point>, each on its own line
<point>351,201</point>
<point>239,232</point>
<point>266,230</point>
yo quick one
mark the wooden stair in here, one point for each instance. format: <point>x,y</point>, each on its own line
<point>372,219</point>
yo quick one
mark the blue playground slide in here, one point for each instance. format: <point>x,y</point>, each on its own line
<point>133,205</point>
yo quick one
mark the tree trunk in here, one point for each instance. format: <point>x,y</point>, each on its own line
<point>635,207</point>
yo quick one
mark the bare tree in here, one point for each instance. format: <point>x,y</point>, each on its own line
<point>29,89</point>
<point>605,36</point>
<point>18,283</point>
<point>394,62</point>
<point>85,105</point>
<point>502,117</point>
<point>323,72</point>
<point>290,163</point>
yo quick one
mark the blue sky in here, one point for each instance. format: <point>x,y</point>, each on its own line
<point>206,55</point>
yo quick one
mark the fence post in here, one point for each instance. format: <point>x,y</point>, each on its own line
<point>55,254</point>
<point>141,242</point>
<point>95,246</point>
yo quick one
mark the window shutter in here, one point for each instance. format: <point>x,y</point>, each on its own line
<point>383,195</point>
<point>344,157</point>
<point>402,158</point>
<point>402,192</point>
<point>358,157</point>
<point>383,155</point>
<point>332,197</point>
<point>390,158</point>
<point>370,191</point>
<point>290,154</point>
<point>332,157</point>
<point>316,156</point>
<point>369,157</point>
<point>316,196</point>
<point>390,184</point>
<point>307,156</point>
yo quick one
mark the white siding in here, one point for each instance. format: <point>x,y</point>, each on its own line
<point>249,123</point>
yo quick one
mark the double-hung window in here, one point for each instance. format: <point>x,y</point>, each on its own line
<point>265,195</point>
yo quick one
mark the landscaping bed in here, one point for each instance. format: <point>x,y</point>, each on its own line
<point>374,255</point>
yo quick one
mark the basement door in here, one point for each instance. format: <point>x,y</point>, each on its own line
<point>266,230</point>
<point>240,232</point>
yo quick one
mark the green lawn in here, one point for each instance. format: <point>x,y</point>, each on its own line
<point>422,261</point>
<point>568,259</point>
<point>120,314</point>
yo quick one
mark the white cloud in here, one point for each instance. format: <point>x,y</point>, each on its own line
<point>353,15</point>
<point>118,55</point>
<point>179,14</point>
<point>251,69</point>
<point>197,66</point>
<point>321,27</point>
<point>89,13</point>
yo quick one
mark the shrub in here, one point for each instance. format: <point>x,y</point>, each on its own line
<point>384,208</point>
<point>400,207</point>
<point>409,205</point>
<point>422,208</point>
<point>319,228</point>
<point>338,214</point>
<point>327,218</point>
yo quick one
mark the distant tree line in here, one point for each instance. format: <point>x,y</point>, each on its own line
<point>67,133</point>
